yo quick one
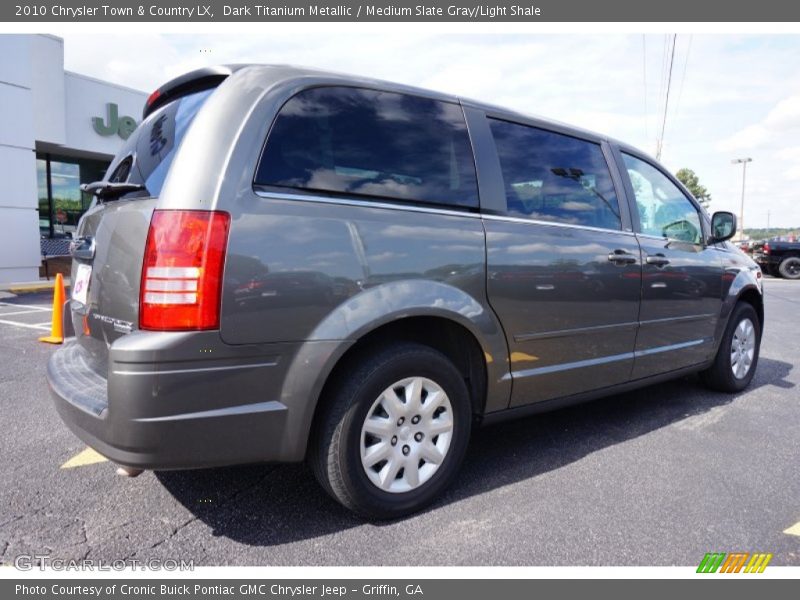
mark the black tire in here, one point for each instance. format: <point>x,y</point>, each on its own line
<point>720,375</point>
<point>335,449</point>
<point>772,270</point>
<point>790,268</point>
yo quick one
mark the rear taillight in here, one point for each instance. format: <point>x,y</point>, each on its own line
<point>765,249</point>
<point>182,270</point>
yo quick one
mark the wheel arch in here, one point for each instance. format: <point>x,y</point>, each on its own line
<point>431,313</point>
<point>452,339</point>
<point>753,296</point>
<point>442,333</point>
<point>741,284</point>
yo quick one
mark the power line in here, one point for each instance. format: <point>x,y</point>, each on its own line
<point>662,77</point>
<point>644,81</point>
<point>683,76</point>
<point>662,82</point>
<point>664,68</point>
<point>666,99</point>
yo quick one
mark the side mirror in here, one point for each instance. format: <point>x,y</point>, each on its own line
<point>723,226</point>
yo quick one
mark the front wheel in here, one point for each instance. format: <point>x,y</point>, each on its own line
<point>393,431</point>
<point>737,357</point>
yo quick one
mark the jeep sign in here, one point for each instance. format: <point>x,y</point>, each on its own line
<point>122,126</point>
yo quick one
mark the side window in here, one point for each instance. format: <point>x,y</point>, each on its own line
<point>554,177</point>
<point>371,143</point>
<point>664,211</point>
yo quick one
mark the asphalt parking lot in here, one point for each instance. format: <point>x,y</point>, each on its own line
<point>659,476</point>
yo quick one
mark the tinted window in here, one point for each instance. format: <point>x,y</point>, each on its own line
<point>664,210</point>
<point>155,142</point>
<point>371,143</point>
<point>161,136</point>
<point>554,177</point>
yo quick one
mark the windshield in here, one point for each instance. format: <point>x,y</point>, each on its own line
<point>148,154</point>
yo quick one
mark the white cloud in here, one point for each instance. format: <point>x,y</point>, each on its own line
<point>139,61</point>
<point>793,173</point>
<point>790,158</point>
<point>785,115</point>
<point>783,118</point>
<point>749,138</point>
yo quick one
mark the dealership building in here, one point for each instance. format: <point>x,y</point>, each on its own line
<point>57,130</point>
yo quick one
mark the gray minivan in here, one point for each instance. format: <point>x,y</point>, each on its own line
<point>285,264</point>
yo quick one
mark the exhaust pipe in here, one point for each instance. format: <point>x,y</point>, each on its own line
<point>129,471</point>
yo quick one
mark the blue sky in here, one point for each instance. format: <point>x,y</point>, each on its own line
<point>731,95</point>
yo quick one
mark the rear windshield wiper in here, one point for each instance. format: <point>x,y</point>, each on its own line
<point>106,189</point>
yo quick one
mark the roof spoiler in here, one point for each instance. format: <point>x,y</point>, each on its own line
<point>188,83</point>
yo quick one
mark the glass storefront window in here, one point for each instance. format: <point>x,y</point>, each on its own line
<point>61,202</point>
<point>65,180</point>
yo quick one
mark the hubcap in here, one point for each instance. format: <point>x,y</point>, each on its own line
<point>743,348</point>
<point>406,434</point>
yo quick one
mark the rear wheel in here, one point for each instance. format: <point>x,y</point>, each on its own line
<point>737,357</point>
<point>393,432</point>
<point>790,267</point>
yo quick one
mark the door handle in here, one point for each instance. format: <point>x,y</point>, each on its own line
<point>658,260</point>
<point>622,257</point>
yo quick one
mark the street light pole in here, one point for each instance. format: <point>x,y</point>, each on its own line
<point>743,162</point>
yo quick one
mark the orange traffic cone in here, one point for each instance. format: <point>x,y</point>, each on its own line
<point>57,324</point>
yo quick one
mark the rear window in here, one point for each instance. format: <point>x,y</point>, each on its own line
<point>371,143</point>
<point>149,152</point>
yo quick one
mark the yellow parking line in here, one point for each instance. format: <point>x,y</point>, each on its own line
<point>793,530</point>
<point>87,457</point>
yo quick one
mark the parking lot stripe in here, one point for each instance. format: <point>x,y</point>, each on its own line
<point>793,530</point>
<point>39,327</point>
<point>31,306</point>
<point>83,458</point>
<point>18,312</point>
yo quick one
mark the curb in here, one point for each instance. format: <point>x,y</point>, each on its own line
<point>31,288</point>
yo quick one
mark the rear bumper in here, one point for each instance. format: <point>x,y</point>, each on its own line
<point>150,413</point>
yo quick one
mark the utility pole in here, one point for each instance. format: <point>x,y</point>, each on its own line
<point>767,219</point>
<point>743,162</point>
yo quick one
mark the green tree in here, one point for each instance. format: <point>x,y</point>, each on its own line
<point>688,178</point>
